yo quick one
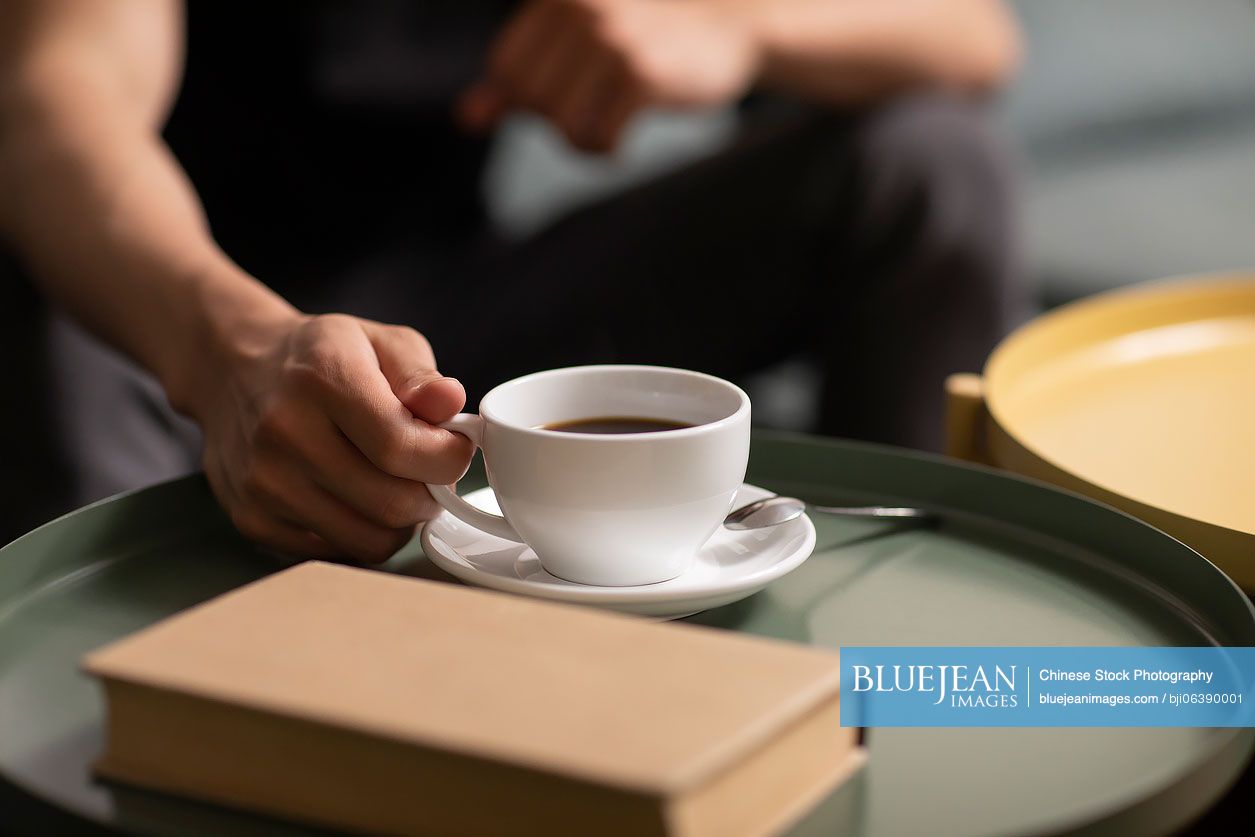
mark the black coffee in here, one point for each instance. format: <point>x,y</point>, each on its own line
<point>616,424</point>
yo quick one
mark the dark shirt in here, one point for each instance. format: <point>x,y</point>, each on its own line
<point>317,133</point>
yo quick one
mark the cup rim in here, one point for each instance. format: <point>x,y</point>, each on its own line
<point>741,412</point>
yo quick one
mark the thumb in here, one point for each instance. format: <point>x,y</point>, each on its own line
<point>406,360</point>
<point>434,398</point>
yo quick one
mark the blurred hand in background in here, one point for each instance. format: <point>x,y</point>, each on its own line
<point>590,65</point>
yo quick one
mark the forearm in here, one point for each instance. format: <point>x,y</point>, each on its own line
<point>97,207</point>
<point>850,51</point>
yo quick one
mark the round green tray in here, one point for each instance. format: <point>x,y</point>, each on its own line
<point>1016,563</point>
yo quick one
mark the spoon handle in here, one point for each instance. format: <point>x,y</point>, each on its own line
<point>877,512</point>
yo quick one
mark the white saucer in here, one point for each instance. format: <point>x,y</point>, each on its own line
<point>731,566</point>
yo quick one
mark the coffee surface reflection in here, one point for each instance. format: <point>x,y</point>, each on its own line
<point>616,425</point>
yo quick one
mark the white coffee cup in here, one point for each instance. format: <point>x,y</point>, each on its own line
<point>602,508</point>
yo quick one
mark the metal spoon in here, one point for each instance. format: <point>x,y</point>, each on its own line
<point>772,511</point>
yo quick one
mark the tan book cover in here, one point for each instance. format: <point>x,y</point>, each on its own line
<point>380,703</point>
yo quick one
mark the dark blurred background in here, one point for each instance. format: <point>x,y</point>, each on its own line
<point>1135,124</point>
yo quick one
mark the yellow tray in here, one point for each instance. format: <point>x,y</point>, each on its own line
<point>1143,398</point>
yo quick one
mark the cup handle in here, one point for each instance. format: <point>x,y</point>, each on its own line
<point>471,426</point>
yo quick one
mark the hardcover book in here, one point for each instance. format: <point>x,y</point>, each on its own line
<point>374,702</point>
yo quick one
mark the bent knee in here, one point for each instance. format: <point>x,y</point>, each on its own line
<point>935,183</point>
<point>936,140</point>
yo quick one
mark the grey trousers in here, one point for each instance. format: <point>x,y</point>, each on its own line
<point>879,243</point>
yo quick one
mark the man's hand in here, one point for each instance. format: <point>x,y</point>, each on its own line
<point>318,431</point>
<point>320,434</point>
<point>589,65</point>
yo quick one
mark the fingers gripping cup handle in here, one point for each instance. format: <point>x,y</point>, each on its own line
<point>471,426</point>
